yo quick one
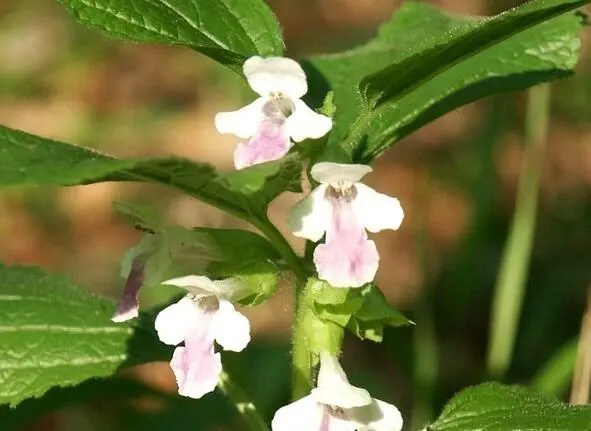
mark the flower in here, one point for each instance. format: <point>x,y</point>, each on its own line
<point>336,405</point>
<point>128,305</point>
<point>277,117</point>
<point>344,208</point>
<point>203,316</point>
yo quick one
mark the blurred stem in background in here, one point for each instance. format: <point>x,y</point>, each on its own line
<point>425,337</point>
<point>555,376</point>
<point>243,404</point>
<point>511,279</point>
<point>582,376</point>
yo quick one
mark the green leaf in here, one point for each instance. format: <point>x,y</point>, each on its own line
<point>364,311</point>
<point>492,406</point>
<point>53,334</point>
<point>425,63</point>
<point>228,31</point>
<point>31,160</point>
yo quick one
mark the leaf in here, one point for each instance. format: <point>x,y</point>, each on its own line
<point>364,311</point>
<point>492,406</point>
<point>425,63</point>
<point>53,334</point>
<point>228,31</point>
<point>31,160</point>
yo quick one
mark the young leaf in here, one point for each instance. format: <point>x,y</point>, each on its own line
<point>425,63</point>
<point>492,406</point>
<point>31,160</point>
<point>228,31</point>
<point>53,334</point>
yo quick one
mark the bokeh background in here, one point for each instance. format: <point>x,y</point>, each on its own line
<point>456,179</point>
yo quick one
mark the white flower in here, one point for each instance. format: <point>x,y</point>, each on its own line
<point>276,118</point>
<point>344,208</point>
<point>203,316</point>
<point>336,405</point>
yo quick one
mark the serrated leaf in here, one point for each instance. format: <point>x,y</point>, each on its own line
<point>53,334</point>
<point>496,407</point>
<point>425,63</point>
<point>31,160</point>
<point>228,31</point>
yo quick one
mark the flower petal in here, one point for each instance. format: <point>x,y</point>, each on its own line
<point>196,368</point>
<point>275,75</point>
<point>377,211</point>
<point>333,173</point>
<point>128,305</point>
<point>352,266</point>
<point>377,416</point>
<point>304,123</point>
<point>309,218</point>
<point>178,321</point>
<point>271,142</point>
<point>195,284</point>
<point>334,389</point>
<point>347,258</point>
<point>230,328</point>
<point>244,122</point>
<point>303,414</point>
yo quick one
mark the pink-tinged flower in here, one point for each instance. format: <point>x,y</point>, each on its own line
<point>275,119</point>
<point>336,405</point>
<point>203,316</point>
<point>344,209</point>
<point>128,305</point>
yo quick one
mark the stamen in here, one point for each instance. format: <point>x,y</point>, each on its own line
<point>279,106</point>
<point>342,190</point>
<point>208,303</point>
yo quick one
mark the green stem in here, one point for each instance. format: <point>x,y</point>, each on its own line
<point>510,286</point>
<point>243,404</point>
<point>301,378</point>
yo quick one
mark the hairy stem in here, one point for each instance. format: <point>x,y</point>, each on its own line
<point>243,404</point>
<point>301,377</point>
<point>511,281</point>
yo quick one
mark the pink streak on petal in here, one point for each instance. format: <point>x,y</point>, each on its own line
<point>128,305</point>
<point>347,258</point>
<point>196,366</point>
<point>270,143</point>
<point>324,425</point>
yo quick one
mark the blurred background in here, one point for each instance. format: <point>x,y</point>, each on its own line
<point>456,179</point>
